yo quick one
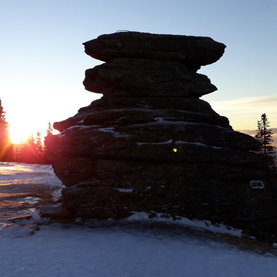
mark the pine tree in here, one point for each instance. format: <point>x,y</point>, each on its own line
<point>38,142</point>
<point>28,152</point>
<point>264,135</point>
<point>47,141</point>
<point>5,143</point>
<point>49,130</point>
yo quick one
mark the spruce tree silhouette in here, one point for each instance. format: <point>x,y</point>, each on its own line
<point>5,143</point>
<point>264,135</point>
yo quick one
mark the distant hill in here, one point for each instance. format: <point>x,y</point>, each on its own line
<point>275,158</point>
<point>253,133</point>
<point>274,136</point>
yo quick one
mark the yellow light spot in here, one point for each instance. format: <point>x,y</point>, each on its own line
<point>174,150</point>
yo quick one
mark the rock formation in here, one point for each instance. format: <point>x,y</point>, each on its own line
<point>150,144</point>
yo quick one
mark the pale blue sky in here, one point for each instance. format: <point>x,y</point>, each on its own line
<point>42,60</point>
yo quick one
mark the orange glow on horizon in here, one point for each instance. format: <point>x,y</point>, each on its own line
<point>26,124</point>
<point>18,136</point>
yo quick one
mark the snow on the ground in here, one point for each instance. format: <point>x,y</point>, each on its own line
<point>12,174</point>
<point>20,173</point>
<point>67,250</point>
<point>185,222</point>
<point>79,251</point>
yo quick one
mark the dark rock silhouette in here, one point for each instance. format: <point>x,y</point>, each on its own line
<point>150,144</point>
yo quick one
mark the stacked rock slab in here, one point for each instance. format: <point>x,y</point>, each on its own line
<point>151,145</point>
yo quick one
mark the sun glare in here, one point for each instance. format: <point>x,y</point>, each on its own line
<point>19,135</point>
<point>21,128</point>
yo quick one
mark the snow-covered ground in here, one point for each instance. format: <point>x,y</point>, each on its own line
<point>61,249</point>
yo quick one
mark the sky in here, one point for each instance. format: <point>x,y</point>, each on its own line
<point>43,62</point>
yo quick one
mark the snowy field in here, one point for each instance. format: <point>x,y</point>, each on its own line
<point>34,247</point>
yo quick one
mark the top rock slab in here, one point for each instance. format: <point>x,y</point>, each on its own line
<point>192,51</point>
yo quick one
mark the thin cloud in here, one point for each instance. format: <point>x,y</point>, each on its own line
<point>244,113</point>
<point>264,103</point>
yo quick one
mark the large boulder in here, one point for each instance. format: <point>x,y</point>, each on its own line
<point>150,144</point>
<point>191,51</point>
<point>146,77</point>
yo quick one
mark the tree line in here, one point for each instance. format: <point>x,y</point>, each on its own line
<point>32,150</point>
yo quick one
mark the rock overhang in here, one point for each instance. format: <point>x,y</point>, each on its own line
<point>192,51</point>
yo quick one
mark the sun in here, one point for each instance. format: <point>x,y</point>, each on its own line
<point>26,124</point>
<point>19,134</point>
